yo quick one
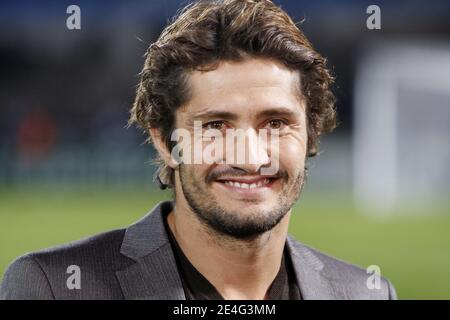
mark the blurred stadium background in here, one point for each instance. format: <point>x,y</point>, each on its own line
<point>377,194</point>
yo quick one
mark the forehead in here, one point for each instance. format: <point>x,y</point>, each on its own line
<point>247,87</point>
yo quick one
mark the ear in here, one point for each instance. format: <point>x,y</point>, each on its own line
<point>161,147</point>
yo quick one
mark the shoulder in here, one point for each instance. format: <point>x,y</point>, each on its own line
<point>43,274</point>
<point>25,279</point>
<point>351,280</point>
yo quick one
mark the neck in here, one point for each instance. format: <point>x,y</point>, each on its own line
<point>237,268</point>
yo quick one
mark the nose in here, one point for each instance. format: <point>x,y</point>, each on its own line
<point>255,151</point>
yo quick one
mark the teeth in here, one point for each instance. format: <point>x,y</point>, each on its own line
<point>258,184</point>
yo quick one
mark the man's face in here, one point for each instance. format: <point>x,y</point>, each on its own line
<point>236,198</point>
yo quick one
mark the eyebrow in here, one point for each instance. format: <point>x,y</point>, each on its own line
<point>280,112</point>
<point>213,114</point>
<point>226,115</point>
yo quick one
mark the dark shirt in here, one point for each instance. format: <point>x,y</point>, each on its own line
<point>197,287</point>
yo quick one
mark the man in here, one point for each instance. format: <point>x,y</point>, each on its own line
<point>220,67</point>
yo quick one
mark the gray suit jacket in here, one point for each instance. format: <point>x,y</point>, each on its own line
<point>138,263</point>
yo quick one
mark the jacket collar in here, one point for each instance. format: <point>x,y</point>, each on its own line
<point>311,274</point>
<point>154,275</point>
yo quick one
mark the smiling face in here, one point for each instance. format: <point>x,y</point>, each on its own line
<point>232,197</point>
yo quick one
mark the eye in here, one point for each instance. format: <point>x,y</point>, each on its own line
<point>218,125</point>
<point>276,124</point>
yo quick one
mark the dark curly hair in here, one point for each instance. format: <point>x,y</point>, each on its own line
<point>208,32</point>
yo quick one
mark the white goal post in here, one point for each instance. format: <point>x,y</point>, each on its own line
<point>401,136</point>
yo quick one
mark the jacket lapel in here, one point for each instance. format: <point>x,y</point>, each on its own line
<point>309,270</point>
<point>154,275</point>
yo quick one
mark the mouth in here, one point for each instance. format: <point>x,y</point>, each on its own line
<point>248,186</point>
